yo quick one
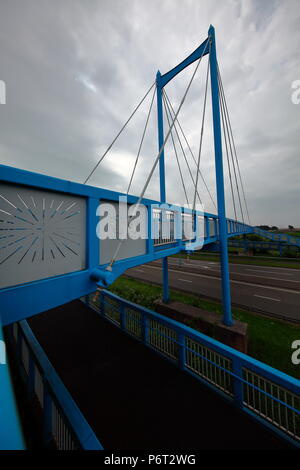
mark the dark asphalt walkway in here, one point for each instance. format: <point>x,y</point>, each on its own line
<point>132,398</point>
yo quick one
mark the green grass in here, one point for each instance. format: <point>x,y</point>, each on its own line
<point>261,261</point>
<point>293,234</point>
<point>269,339</point>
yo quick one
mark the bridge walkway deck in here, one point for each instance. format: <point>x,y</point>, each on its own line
<point>133,398</point>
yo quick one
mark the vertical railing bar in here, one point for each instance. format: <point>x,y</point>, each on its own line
<point>259,393</point>
<point>286,411</point>
<point>293,415</point>
<point>272,403</point>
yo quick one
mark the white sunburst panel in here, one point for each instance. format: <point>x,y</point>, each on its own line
<point>42,234</point>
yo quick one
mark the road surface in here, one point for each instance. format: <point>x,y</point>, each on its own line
<point>274,291</point>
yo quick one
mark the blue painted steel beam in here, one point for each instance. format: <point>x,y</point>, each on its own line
<point>26,300</point>
<point>227,318</point>
<point>22,301</point>
<point>162,176</point>
<point>185,63</point>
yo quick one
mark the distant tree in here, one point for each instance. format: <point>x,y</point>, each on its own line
<point>264,227</point>
<point>274,227</point>
<point>291,227</point>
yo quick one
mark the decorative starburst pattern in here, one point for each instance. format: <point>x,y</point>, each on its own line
<point>40,228</point>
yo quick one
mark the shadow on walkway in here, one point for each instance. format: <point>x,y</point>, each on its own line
<point>133,398</point>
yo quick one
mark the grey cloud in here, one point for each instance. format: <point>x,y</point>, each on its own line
<point>75,70</point>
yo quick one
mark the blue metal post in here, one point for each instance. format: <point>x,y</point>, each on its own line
<point>227,318</point>
<point>182,351</point>
<point>245,244</point>
<point>144,323</point>
<point>162,178</point>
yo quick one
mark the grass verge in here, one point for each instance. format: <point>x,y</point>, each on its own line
<point>269,339</point>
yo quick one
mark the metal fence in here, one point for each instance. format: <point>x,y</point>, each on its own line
<point>63,425</point>
<point>290,240</point>
<point>163,227</point>
<point>265,393</point>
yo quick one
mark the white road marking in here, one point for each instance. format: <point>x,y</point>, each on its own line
<point>269,272</point>
<point>185,280</point>
<point>139,270</point>
<point>267,298</point>
<point>240,273</point>
<point>281,289</point>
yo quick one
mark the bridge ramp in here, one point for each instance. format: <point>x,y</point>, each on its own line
<point>131,397</point>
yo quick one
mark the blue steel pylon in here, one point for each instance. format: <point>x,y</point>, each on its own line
<point>162,177</point>
<point>161,81</point>
<point>223,236</point>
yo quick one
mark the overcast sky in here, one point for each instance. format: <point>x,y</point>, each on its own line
<point>74,71</point>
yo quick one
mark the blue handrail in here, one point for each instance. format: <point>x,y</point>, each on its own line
<point>267,394</point>
<point>54,398</point>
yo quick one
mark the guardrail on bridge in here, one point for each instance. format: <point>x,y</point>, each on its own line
<point>63,425</point>
<point>268,395</point>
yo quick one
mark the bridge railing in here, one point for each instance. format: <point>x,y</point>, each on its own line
<point>237,228</point>
<point>63,425</point>
<point>280,237</point>
<point>11,434</point>
<point>265,393</point>
<point>209,230</point>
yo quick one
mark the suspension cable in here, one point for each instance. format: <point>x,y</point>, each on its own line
<point>119,133</point>
<point>231,154</point>
<point>189,147</point>
<point>237,161</point>
<point>201,137</point>
<point>160,152</point>
<point>184,155</point>
<point>176,154</point>
<point>142,141</point>
<point>227,155</point>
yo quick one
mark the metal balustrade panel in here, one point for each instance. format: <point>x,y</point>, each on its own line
<point>42,234</point>
<point>209,365</point>
<point>39,385</point>
<point>133,322</point>
<point>62,436</point>
<point>212,230</point>
<point>162,338</point>
<point>111,310</point>
<point>272,402</point>
<point>163,227</point>
<point>187,227</point>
